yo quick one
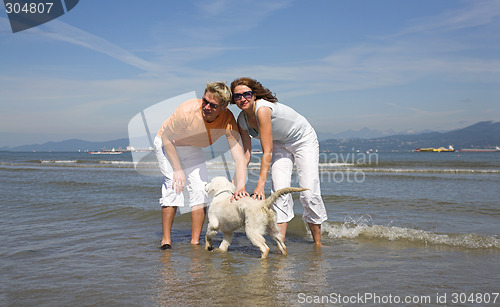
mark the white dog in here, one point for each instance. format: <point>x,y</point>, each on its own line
<point>255,215</point>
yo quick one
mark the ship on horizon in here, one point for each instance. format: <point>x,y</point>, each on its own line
<point>480,149</point>
<point>105,151</point>
<point>440,149</point>
<point>120,150</point>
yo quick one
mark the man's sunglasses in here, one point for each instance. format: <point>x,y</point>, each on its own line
<point>238,96</point>
<point>212,105</point>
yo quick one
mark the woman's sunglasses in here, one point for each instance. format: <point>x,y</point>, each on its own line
<point>238,96</point>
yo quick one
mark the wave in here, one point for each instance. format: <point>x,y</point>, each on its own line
<point>86,163</point>
<point>121,162</point>
<point>58,161</point>
<point>434,170</point>
<point>352,167</point>
<point>360,229</point>
<point>322,168</point>
<point>114,211</point>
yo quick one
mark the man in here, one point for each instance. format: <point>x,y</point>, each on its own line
<point>195,124</point>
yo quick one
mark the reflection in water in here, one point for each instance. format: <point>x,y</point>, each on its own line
<point>190,275</point>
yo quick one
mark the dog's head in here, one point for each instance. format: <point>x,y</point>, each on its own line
<point>218,184</point>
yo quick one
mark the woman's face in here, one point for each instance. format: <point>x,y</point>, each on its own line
<point>244,97</point>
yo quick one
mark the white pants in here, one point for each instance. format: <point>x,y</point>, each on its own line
<point>194,167</point>
<point>305,154</point>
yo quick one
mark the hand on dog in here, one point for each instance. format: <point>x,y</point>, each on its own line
<point>239,194</point>
<point>259,194</point>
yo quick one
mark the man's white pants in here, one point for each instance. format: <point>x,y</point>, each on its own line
<point>194,166</point>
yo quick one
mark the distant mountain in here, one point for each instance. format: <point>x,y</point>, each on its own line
<point>364,133</point>
<point>480,135</point>
<point>73,145</point>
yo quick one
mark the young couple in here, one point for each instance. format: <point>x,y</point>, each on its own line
<point>286,138</point>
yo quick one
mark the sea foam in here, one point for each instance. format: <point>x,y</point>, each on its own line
<point>359,229</point>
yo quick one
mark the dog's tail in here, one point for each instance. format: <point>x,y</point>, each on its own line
<point>270,201</point>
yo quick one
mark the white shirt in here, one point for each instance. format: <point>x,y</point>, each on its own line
<point>287,125</point>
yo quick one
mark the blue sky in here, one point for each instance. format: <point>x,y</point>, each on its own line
<point>402,65</point>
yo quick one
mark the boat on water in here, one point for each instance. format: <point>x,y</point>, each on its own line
<point>120,150</point>
<point>480,149</point>
<point>440,149</point>
<point>105,151</point>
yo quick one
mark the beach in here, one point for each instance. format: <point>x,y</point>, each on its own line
<point>415,229</point>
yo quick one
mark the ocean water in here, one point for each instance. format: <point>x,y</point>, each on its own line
<point>404,229</point>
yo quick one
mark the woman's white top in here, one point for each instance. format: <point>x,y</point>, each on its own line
<point>287,125</point>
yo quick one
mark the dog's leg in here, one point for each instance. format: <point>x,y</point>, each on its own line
<point>258,240</point>
<point>211,231</point>
<point>227,237</point>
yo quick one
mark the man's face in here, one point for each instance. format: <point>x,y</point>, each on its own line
<point>210,107</point>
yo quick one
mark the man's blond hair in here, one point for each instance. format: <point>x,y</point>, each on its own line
<point>221,92</point>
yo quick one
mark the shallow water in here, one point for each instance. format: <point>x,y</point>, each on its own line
<point>84,230</point>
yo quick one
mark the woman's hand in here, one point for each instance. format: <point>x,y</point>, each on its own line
<point>259,194</point>
<point>179,181</point>
<point>240,194</point>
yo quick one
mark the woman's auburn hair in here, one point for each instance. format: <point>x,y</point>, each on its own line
<point>257,88</point>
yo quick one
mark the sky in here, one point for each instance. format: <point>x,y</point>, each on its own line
<point>400,65</point>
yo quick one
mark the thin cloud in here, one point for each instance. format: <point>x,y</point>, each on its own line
<point>476,13</point>
<point>401,59</point>
<point>422,112</point>
<point>229,17</point>
<point>58,30</point>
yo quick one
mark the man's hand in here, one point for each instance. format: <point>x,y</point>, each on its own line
<point>179,181</point>
<point>239,194</point>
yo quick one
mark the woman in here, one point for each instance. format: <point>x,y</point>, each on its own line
<point>286,137</point>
